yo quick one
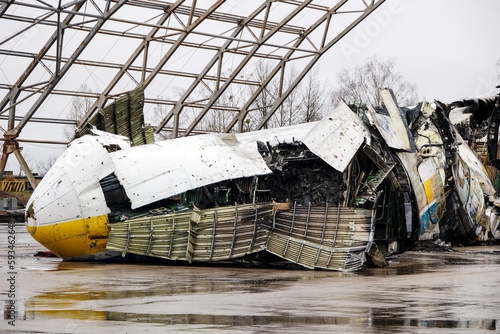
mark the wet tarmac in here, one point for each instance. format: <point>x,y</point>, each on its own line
<point>420,292</point>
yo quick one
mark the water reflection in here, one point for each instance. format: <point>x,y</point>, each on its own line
<point>383,300</point>
<point>379,323</point>
<point>84,302</point>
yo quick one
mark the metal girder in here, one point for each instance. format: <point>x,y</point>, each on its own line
<point>103,97</point>
<point>280,68</point>
<point>57,77</point>
<point>25,167</point>
<point>10,143</point>
<point>238,69</point>
<point>369,9</point>
<point>134,68</point>
<point>4,6</point>
<point>79,94</point>
<point>180,39</point>
<point>180,104</point>
<point>15,90</point>
<point>270,30</point>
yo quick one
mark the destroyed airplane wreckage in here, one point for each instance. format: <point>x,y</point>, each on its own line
<point>319,195</point>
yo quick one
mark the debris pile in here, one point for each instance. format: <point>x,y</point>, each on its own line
<point>320,195</point>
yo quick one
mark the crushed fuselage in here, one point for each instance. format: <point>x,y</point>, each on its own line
<point>318,194</point>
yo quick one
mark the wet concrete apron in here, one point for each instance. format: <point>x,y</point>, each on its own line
<point>420,292</point>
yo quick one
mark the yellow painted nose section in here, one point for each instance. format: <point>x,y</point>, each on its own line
<point>74,238</point>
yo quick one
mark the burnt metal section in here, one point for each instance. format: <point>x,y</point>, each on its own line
<point>445,128</point>
<point>116,198</point>
<point>455,227</point>
<point>493,154</point>
<point>299,176</point>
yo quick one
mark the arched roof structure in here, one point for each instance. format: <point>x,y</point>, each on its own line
<point>196,59</point>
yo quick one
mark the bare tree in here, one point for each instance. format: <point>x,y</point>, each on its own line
<point>313,95</point>
<point>264,100</point>
<point>43,166</point>
<point>79,106</point>
<point>217,120</point>
<point>289,111</point>
<point>361,84</point>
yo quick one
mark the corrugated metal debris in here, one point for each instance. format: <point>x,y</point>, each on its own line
<point>314,237</point>
<point>123,117</point>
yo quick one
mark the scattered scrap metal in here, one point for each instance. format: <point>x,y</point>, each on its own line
<point>320,195</point>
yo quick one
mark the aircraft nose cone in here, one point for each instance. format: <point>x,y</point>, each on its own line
<point>70,239</point>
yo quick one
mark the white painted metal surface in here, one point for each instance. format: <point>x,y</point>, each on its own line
<point>149,173</point>
<point>277,135</point>
<point>71,189</point>
<point>476,167</point>
<point>398,122</point>
<point>384,125</point>
<point>429,228</point>
<point>337,137</point>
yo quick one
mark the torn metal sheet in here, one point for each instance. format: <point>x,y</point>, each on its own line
<point>149,173</point>
<point>428,139</point>
<point>337,137</point>
<point>196,236</point>
<point>383,123</point>
<point>470,158</point>
<point>434,191</point>
<point>274,136</point>
<point>429,193</point>
<point>471,195</point>
<point>398,119</point>
<point>122,117</point>
<point>333,238</point>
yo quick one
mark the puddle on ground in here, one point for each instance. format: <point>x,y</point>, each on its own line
<point>417,290</point>
<point>236,321</point>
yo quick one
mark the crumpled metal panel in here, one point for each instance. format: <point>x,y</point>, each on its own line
<point>277,135</point>
<point>333,238</point>
<point>398,120</point>
<point>470,158</point>
<point>384,125</point>
<point>428,190</point>
<point>473,187</point>
<point>152,172</point>
<point>428,140</point>
<point>470,194</point>
<point>434,191</point>
<point>71,190</point>
<point>337,137</point>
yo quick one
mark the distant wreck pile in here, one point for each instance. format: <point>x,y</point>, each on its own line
<point>320,195</point>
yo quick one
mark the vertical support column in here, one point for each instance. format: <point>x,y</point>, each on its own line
<point>25,168</point>
<point>8,145</point>
<point>3,163</point>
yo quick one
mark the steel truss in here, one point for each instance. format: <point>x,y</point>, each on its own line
<point>233,36</point>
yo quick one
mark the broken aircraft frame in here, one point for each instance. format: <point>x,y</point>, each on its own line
<point>317,194</point>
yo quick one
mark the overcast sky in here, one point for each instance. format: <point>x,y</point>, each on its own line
<point>449,48</point>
